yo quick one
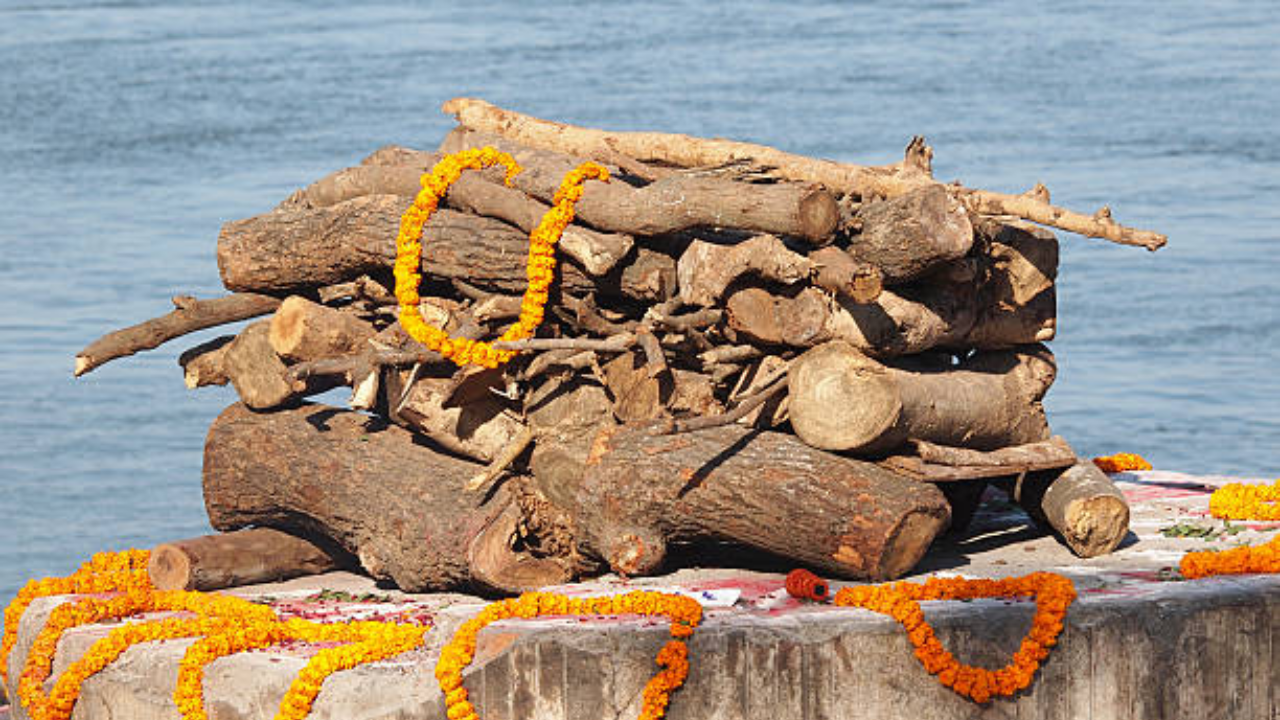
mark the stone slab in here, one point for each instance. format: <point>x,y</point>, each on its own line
<point>1136,645</point>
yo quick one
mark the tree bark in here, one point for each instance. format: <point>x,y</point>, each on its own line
<point>288,250</point>
<point>908,235</point>
<point>842,400</point>
<point>256,372</point>
<point>705,270</point>
<point>672,203</point>
<point>204,364</point>
<point>640,492</point>
<point>866,182</point>
<point>188,316</point>
<point>1080,504</point>
<point>400,508</point>
<point>303,330</point>
<point>242,557</point>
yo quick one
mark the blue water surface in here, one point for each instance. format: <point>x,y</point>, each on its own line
<point>130,131</point>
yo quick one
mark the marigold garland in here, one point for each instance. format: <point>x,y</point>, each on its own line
<point>1121,462</point>
<point>540,268</point>
<point>901,601</point>
<point>684,613</point>
<point>1240,501</point>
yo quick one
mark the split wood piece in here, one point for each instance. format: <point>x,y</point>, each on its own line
<point>641,492</point>
<point>479,429</point>
<point>908,235</point>
<point>638,395</point>
<point>897,323</point>
<point>773,410</point>
<point>705,270</point>
<point>864,181</point>
<point>289,250</point>
<point>1017,298</point>
<point>945,464</point>
<point>840,399</point>
<point>303,330</point>
<point>242,557</point>
<point>188,316</point>
<point>400,508</point>
<point>259,376</point>
<point>1080,504</point>
<point>204,364</point>
<point>835,271</point>
<point>672,203</point>
<point>565,414</point>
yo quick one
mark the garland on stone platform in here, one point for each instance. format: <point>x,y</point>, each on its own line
<point>1121,462</point>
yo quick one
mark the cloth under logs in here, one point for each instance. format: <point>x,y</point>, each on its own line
<point>734,353</point>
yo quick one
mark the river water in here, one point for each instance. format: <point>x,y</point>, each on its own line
<point>130,131</point>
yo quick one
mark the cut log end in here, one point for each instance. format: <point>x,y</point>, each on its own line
<point>840,399</point>
<point>909,544</point>
<point>1095,526</point>
<point>84,364</point>
<point>169,568</point>
<point>819,216</point>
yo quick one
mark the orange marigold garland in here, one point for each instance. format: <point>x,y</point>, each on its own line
<point>1236,561</point>
<point>684,614</point>
<point>541,264</point>
<point>1240,501</point>
<point>1121,462</point>
<point>901,601</point>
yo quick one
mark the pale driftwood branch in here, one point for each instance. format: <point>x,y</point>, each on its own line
<point>188,316</point>
<point>688,151</point>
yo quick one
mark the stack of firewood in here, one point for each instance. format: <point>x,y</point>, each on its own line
<point>789,357</point>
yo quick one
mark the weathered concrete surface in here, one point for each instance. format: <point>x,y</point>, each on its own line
<point>1134,647</point>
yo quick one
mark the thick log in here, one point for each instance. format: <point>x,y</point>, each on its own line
<point>1080,504</point>
<point>641,492</point>
<point>400,508</point>
<point>908,235</point>
<point>242,557</point>
<point>188,316</point>
<point>303,330</point>
<point>840,399</point>
<point>1017,299</point>
<point>672,203</point>
<point>288,250</point>
<point>860,180</point>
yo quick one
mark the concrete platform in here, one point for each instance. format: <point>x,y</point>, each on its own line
<point>1137,645</point>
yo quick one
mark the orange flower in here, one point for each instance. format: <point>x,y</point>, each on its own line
<point>1121,462</point>
<point>1238,501</point>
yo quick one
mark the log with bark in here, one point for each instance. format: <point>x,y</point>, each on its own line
<point>397,506</point>
<point>241,557</point>
<point>1080,504</point>
<point>840,399</point>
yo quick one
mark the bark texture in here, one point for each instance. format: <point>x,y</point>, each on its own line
<point>241,557</point>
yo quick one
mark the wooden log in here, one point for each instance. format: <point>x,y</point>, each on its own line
<point>288,250</point>
<point>1017,299</point>
<point>303,330</point>
<point>946,465</point>
<point>641,492</point>
<point>672,203</point>
<point>836,271</point>
<point>705,270</point>
<point>203,364</point>
<point>256,372</point>
<point>188,316</point>
<point>895,324</point>
<point>397,506</point>
<point>861,180</point>
<point>242,557</point>
<point>479,429</point>
<point>840,399</point>
<point>909,235</point>
<point>1080,504</point>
